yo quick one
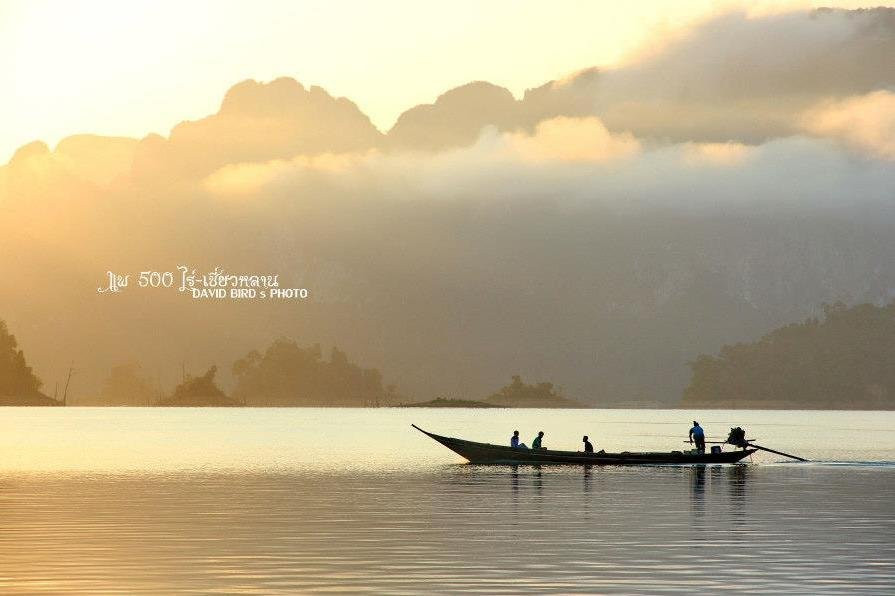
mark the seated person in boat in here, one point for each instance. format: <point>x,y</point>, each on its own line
<point>536,444</point>
<point>588,448</point>
<point>514,441</point>
<point>698,435</point>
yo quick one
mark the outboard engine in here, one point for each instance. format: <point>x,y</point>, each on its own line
<point>737,437</point>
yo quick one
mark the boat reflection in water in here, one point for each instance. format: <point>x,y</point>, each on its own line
<point>697,489</point>
<point>734,478</point>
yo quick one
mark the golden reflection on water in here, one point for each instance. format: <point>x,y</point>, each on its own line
<point>338,439</point>
<point>455,528</point>
<point>245,501</point>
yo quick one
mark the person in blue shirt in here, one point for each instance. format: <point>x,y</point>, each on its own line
<point>698,435</point>
<point>514,441</point>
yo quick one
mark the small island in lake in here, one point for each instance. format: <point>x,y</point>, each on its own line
<point>444,402</point>
<point>200,391</point>
<point>517,394</point>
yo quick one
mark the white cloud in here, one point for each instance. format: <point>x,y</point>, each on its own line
<point>863,122</point>
<point>573,139</point>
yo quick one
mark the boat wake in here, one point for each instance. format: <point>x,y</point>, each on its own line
<point>839,464</point>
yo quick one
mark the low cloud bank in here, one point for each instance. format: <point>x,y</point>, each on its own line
<point>864,122</point>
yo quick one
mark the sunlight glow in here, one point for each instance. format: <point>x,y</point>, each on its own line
<point>132,68</point>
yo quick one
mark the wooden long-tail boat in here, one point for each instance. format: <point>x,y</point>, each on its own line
<point>487,453</point>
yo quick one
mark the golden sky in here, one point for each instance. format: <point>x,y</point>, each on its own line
<point>130,68</point>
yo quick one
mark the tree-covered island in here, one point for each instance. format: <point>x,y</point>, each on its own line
<point>843,360</point>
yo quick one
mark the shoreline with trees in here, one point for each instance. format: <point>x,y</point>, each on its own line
<point>844,360</point>
<point>19,386</point>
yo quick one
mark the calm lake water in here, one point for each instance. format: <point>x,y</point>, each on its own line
<point>308,500</point>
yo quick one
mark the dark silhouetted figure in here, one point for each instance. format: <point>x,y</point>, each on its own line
<point>588,448</point>
<point>514,441</point>
<point>536,444</point>
<point>698,435</point>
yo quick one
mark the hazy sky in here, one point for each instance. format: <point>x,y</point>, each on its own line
<point>129,68</point>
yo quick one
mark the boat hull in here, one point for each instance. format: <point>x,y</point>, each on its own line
<point>487,453</point>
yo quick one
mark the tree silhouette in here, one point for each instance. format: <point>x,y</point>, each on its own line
<point>521,395</point>
<point>199,391</point>
<point>288,375</point>
<point>16,377</point>
<point>846,360</point>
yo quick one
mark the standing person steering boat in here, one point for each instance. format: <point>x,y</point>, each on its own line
<point>698,435</point>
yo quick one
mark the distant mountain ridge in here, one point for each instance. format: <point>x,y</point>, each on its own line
<point>762,98</point>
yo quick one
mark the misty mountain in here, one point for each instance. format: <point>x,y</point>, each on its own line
<point>564,235</point>
<point>260,122</point>
<point>730,79</point>
<point>456,118</point>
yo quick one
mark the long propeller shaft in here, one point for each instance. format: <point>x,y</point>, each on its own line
<point>777,452</point>
<point>754,446</point>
